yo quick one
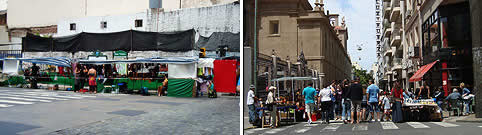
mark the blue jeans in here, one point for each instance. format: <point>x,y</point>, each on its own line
<point>252,115</point>
<point>439,103</point>
<point>346,109</point>
<point>466,104</point>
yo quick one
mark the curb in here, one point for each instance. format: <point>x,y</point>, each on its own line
<point>470,121</point>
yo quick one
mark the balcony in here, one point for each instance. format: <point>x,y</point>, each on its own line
<point>395,10</point>
<point>397,64</point>
<point>395,38</point>
<point>386,10</point>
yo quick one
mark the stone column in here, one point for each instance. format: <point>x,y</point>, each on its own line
<point>476,12</point>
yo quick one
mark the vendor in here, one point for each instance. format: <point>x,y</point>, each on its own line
<point>35,74</point>
<point>424,92</point>
<point>271,103</point>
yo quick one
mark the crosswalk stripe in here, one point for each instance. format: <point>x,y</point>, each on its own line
<point>303,130</point>
<point>5,105</point>
<point>388,125</point>
<point>38,97</point>
<point>276,130</point>
<point>254,130</point>
<point>417,125</point>
<point>46,95</point>
<point>360,127</point>
<point>331,127</point>
<point>444,124</point>
<point>15,102</point>
<point>26,99</point>
<point>62,92</point>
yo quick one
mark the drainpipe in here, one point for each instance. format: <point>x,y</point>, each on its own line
<point>255,45</point>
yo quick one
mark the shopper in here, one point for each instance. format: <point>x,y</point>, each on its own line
<point>373,98</point>
<point>250,102</point>
<point>77,77</point>
<point>271,103</point>
<point>35,75</point>
<point>345,102</point>
<point>309,92</point>
<point>364,104</point>
<point>397,105</point>
<point>356,94</point>
<point>424,92</point>
<point>326,103</point>
<point>92,80</point>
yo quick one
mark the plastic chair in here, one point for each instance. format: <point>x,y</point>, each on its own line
<point>455,105</point>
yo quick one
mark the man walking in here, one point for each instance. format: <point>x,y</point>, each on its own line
<point>250,102</point>
<point>355,94</point>
<point>309,92</point>
<point>373,98</point>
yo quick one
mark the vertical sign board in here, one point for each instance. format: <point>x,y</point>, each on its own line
<point>379,25</point>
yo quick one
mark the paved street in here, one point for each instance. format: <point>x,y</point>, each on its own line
<point>29,111</point>
<point>382,128</point>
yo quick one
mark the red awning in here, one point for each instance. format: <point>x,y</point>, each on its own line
<point>420,72</point>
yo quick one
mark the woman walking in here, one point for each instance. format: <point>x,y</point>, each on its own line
<point>326,104</point>
<point>338,97</point>
<point>397,102</point>
<point>92,80</point>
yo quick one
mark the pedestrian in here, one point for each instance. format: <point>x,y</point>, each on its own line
<point>83,76</point>
<point>465,92</point>
<point>338,98</point>
<point>309,92</point>
<point>424,92</point>
<point>373,98</point>
<point>345,102</point>
<point>397,98</point>
<point>439,98</point>
<point>364,104</point>
<point>92,80</point>
<point>272,107</point>
<point>455,95</point>
<point>326,103</point>
<point>35,75</point>
<point>333,100</point>
<point>386,107</point>
<point>356,94</point>
<point>250,102</point>
<point>77,77</point>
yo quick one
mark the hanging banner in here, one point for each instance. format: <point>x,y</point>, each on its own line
<point>182,70</point>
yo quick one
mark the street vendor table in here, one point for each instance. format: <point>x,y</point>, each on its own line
<point>283,111</point>
<point>421,112</point>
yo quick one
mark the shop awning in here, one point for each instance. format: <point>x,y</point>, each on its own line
<point>56,61</point>
<point>420,72</point>
<point>176,60</point>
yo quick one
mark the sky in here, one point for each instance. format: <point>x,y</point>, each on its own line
<point>360,20</point>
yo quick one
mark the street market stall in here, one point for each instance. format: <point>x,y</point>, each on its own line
<point>421,110</point>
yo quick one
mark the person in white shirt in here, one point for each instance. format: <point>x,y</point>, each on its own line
<point>326,103</point>
<point>250,102</point>
<point>271,103</point>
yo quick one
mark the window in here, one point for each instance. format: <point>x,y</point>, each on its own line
<point>72,26</point>
<point>139,23</point>
<point>274,27</point>
<point>103,24</point>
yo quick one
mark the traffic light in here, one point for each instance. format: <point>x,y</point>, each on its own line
<point>202,53</point>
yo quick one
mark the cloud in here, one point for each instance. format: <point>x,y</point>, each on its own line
<point>360,20</point>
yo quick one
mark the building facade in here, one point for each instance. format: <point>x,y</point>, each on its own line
<point>433,42</point>
<point>294,29</point>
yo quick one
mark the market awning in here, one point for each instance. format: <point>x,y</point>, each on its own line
<point>146,60</point>
<point>421,72</point>
<point>56,61</point>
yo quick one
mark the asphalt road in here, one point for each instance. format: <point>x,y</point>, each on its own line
<point>29,111</point>
<point>381,128</point>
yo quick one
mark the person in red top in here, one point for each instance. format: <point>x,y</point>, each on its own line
<point>397,93</point>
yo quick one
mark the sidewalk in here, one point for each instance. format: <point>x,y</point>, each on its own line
<point>470,118</point>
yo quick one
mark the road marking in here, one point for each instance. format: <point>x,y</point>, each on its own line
<point>417,125</point>
<point>388,125</point>
<point>5,105</point>
<point>444,124</point>
<point>360,127</point>
<point>303,130</point>
<point>480,126</point>
<point>251,131</point>
<point>45,95</point>
<point>331,127</point>
<point>16,102</point>
<point>276,130</point>
<point>26,99</point>
<point>33,97</point>
<point>311,125</point>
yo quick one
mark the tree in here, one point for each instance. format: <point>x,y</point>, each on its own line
<point>362,74</point>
